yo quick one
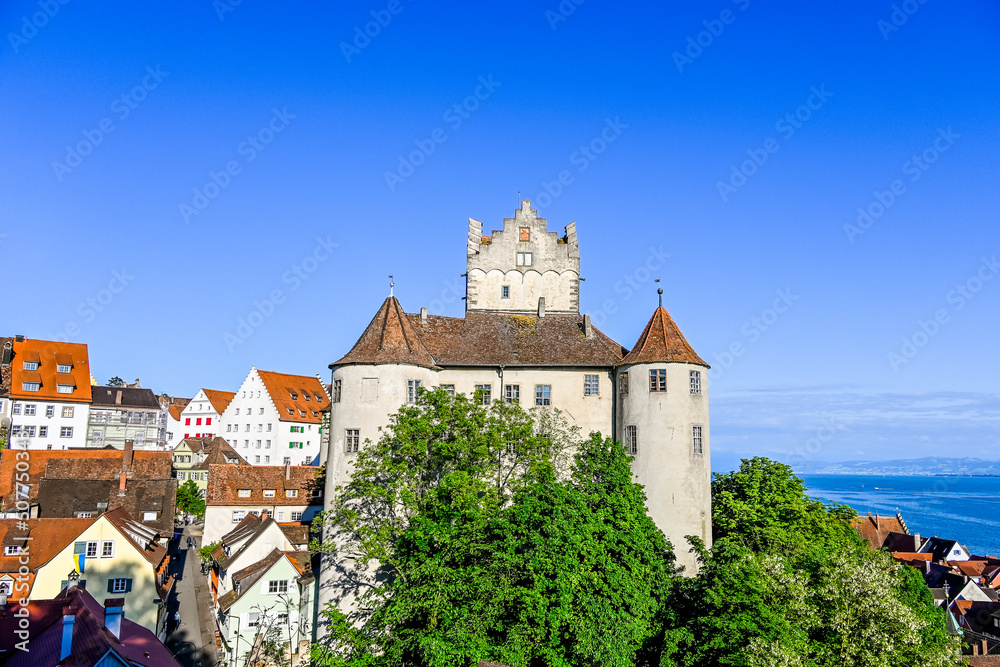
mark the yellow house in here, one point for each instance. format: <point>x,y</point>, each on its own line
<point>120,558</point>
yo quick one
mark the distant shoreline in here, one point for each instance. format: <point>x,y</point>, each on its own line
<point>899,474</point>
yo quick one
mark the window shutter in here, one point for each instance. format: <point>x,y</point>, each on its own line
<point>111,585</point>
<point>79,547</point>
<point>128,585</point>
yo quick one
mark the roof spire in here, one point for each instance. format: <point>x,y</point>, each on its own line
<point>659,290</point>
<point>391,284</point>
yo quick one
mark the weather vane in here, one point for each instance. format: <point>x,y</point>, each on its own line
<point>659,290</point>
<point>391,285</point>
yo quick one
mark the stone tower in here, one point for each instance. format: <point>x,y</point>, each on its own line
<point>663,422</point>
<point>522,263</point>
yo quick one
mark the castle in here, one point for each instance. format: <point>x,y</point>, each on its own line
<point>523,338</point>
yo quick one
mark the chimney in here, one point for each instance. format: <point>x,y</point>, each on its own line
<point>118,397</point>
<point>423,315</point>
<point>114,614</point>
<point>588,330</point>
<point>127,454</point>
<point>288,471</point>
<point>916,542</point>
<point>67,634</point>
<point>8,353</point>
<point>264,514</point>
<point>541,307</point>
<point>121,483</point>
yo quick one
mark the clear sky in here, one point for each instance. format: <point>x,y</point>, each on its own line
<point>166,171</point>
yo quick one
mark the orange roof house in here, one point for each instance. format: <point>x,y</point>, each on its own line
<point>44,369</point>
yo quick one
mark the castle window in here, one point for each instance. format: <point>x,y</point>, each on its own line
<point>525,235</point>
<point>411,390</point>
<point>591,385</point>
<point>524,259</point>
<point>336,390</point>
<point>448,389</point>
<point>484,392</point>
<point>695,382</point>
<point>623,383</point>
<point>631,439</point>
<point>658,380</point>
<point>352,440</point>
<point>696,439</point>
<point>512,393</point>
<point>505,292</point>
<point>543,394</point>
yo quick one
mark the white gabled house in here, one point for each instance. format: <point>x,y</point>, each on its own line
<point>276,419</point>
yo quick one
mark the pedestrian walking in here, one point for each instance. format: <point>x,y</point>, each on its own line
<point>190,543</point>
<point>177,619</point>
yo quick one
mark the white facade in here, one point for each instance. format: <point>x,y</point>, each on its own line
<point>262,434</point>
<point>199,419</point>
<point>221,519</point>
<point>46,424</point>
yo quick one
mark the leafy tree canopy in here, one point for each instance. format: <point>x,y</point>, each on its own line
<point>189,499</point>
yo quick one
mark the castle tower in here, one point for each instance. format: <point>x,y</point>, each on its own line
<point>663,423</point>
<point>522,263</point>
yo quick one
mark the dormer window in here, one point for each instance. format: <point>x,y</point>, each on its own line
<point>243,493</point>
<point>65,388</point>
<point>319,398</point>
<point>291,411</point>
<point>305,396</point>
<point>524,259</point>
<point>30,386</point>
<point>302,413</point>
<point>294,396</point>
<point>63,368</point>
<point>30,365</point>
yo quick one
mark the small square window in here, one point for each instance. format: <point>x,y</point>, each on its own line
<point>66,432</point>
<point>505,292</point>
<point>591,385</point>
<point>658,380</point>
<point>485,393</point>
<point>239,515</point>
<point>296,516</point>
<point>269,493</point>
<point>120,585</point>
<point>43,431</point>
<point>67,412</point>
<point>91,549</point>
<point>29,409</point>
<point>16,408</point>
<point>108,546</point>
<point>291,493</point>
<point>448,389</point>
<point>50,411</point>
<point>543,394</point>
<point>524,259</point>
<point>512,393</point>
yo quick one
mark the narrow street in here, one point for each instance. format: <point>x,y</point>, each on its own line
<point>193,640</point>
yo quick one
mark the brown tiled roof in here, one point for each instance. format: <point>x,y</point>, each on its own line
<point>219,399</point>
<point>48,538</point>
<point>876,529</point>
<point>45,351</point>
<point>225,482</point>
<point>125,397</point>
<point>139,535</point>
<point>302,560</point>
<point>175,412</point>
<point>389,339</point>
<point>281,387</point>
<point>247,577</point>
<point>40,458</point>
<point>481,338</point>
<point>662,342</point>
<point>295,532</point>
<point>219,452</point>
<point>970,568</point>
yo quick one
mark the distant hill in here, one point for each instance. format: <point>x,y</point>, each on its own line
<point>931,465</point>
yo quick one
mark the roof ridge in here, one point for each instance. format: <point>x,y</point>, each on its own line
<point>662,344</point>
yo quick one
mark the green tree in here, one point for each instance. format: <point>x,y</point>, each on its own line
<point>790,582</point>
<point>205,553</point>
<point>116,382</point>
<point>189,499</point>
<point>498,544</point>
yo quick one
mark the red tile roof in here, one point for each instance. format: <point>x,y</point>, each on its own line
<point>289,392</point>
<point>91,639</point>
<point>45,353</point>
<point>876,529</point>
<point>48,538</point>
<point>175,412</point>
<point>219,399</point>
<point>662,341</point>
<point>226,481</point>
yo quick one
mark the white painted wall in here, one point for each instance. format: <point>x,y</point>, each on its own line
<point>200,409</point>
<point>677,480</point>
<point>53,424</point>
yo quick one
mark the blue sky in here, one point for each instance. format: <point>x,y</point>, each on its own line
<point>168,170</point>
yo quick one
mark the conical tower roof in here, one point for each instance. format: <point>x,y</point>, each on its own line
<point>662,341</point>
<point>389,339</point>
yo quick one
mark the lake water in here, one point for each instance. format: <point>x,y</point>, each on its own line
<point>966,509</point>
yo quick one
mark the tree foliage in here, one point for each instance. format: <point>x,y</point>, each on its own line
<point>496,542</point>
<point>116,382</point>
<point>189,499</point>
